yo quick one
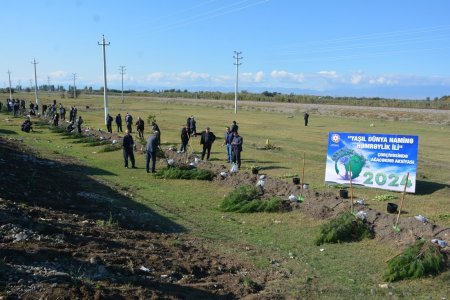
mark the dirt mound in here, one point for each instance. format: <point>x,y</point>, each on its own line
<point>322,205</point>
<point>65,235</point>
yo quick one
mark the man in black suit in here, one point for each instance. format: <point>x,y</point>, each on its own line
<point>207,139</point>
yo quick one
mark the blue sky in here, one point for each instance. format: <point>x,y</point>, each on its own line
<point>355,48</point>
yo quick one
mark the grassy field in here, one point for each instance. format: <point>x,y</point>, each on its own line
<point>283,242</point>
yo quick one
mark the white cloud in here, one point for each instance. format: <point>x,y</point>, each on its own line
<point>259,76</point>
<point>283,75</point>
<point>58,74</point>
<point>156,76</point>
<point>190,75</point>
<point>328,74</point>
<point>356,78</point>
<point>382,80</point>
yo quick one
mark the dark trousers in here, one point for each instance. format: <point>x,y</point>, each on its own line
<point>108,127</point>
<point>119,127</point>
<point>183,147</point>
<point>129,127</point>
<point>150,156</point>
<point>237,157</point>
<point>79,128</point>
<point>306,122</point>
<point>206,148</point>
<point>128,153</point>
<point>141,133</point>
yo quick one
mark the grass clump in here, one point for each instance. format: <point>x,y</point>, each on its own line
<point>418,260</point>
<point>182,173</point>
<point>110,148</point>
<point>245,199</point>
<point>344,228</point>
<point>384,197</point>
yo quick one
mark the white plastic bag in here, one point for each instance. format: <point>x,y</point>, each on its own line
<point>234,168</point>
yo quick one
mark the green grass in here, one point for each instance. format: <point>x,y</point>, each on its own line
<point>341,271</point>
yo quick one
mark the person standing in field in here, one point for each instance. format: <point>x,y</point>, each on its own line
<point>228,138</point>
<point>151,148</point>
<point>79,122</point>
<point>119,123</point>
<point>237,148</point>
<point>109,120</point>
<point>306,117</point>
<point>207,139</point>
<point>127,146</point>
<point>129,121</point>
<point>140,127</point>
<point>192,126</point>
<point>184,139</point>
<point>234,127</point>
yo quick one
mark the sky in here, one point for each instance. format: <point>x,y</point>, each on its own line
<point>383,48</point>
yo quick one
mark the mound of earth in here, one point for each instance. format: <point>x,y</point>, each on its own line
<point>65,235</point>
<point>322,205</point>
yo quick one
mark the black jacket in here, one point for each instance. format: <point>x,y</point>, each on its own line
<point>207,138</point>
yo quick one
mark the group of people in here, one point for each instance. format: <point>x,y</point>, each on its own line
<point>232,141</point>
<point>14,106</point>
<point>140,124</point>
<point>151,149</point>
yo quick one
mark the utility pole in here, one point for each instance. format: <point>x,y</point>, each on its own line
<point>237,64</point>
<point>34,62</point>
<point>9,77</point>
<point>74,86</point>
<point>122,70</point>
<point>105,91</point>
<point>48,87</point>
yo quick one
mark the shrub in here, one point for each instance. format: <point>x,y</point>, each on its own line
<point>183,173</point>
<point>344,228</point>
<point>110,148</point>
<point>245,199</point>
<point>418,260</point>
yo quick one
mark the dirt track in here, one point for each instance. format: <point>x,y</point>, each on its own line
<point>431,116</point>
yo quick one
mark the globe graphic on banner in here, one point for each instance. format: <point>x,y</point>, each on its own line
<point>344,160</point>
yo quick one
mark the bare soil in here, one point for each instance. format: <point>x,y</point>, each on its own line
<point>64,235</point>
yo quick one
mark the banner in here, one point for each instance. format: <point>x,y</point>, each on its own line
<point>376,160</point>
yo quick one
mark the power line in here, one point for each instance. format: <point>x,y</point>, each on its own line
<point>237,64</point>
<point>122,70</point>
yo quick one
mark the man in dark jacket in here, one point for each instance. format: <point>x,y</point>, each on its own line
<point>109,120</point>
<point>140,127</point>
<point>129,121</point>
<point>119,123</point>
<point>237,148</point>
<point>150,151</point>
<point>207,139</point>
<point>128,145</point>
<point>184,139</point>
<point>306,117</point>
<point>234,127</point>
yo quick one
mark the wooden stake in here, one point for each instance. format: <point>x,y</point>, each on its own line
<point>303,175</point>
<point>351,186</point>
<point>403,198</point>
